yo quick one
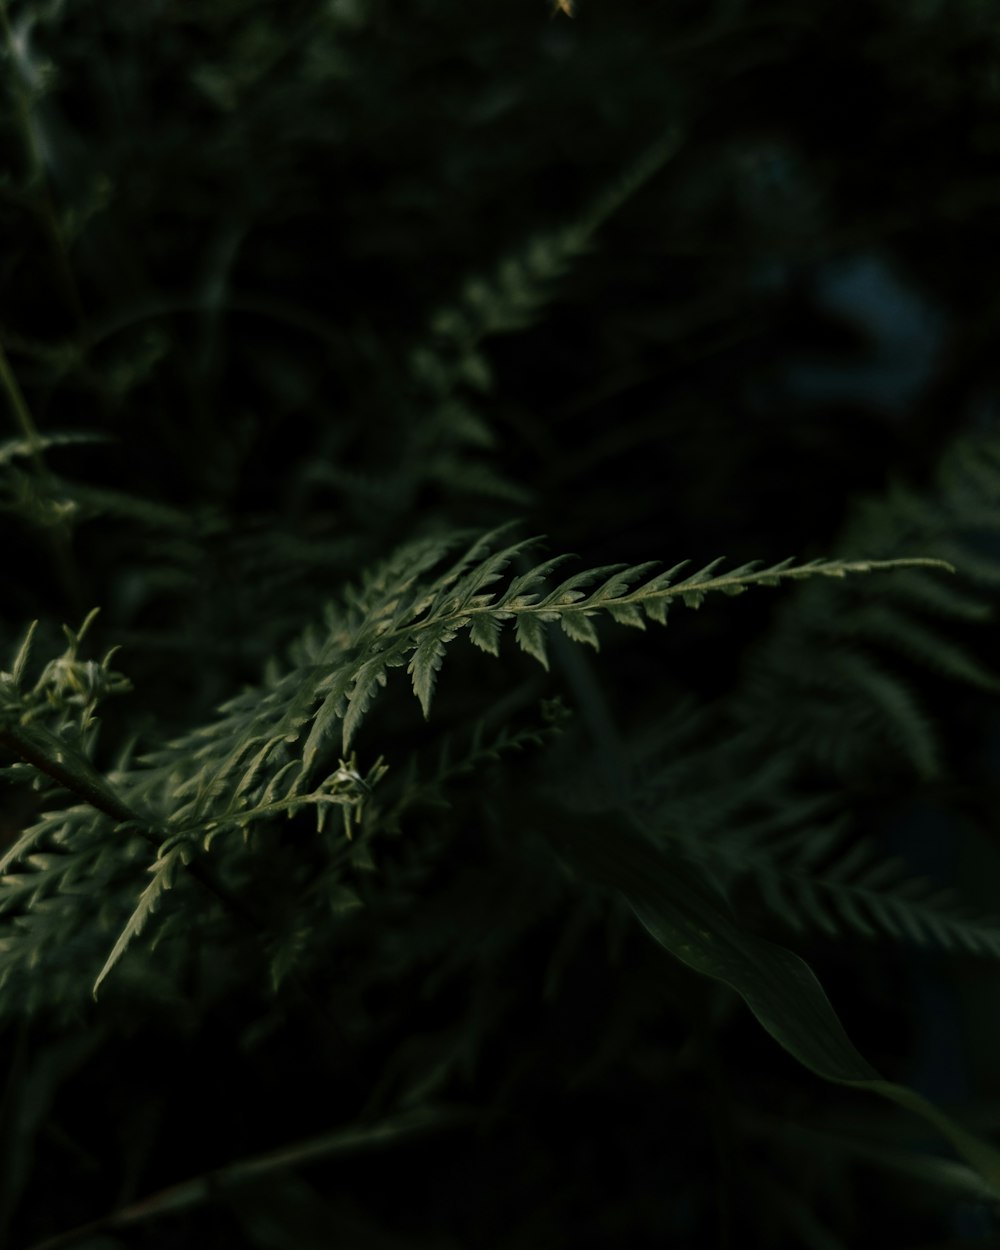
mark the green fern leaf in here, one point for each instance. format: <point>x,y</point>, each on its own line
<point>927,646</point>
<point>579,628</point>
<point>370,676</point>
<point>476,568</point>
<point>164,874</point>
<point>530,633</point>
<point>519,592</point>
<point>858,889</point>
<point>47,825</point>
<point>572,589</point>
<point>427,660</point>
<point>330,711</point>
<point>890,701</point>
<point>655,609</point>
<point>21,658</point>
<point>484,632</point>
<point>627,614</point>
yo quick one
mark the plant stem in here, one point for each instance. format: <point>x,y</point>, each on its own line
<point>28,135</point>
<point>43,206</point>
<point>76,774</point>
<point>59,537</point>
<point>207,1187</point>
<point>70,770</point>
<point>22,413</point>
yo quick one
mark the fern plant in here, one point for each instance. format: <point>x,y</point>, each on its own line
<point>265,757</point>
<point>202,804</point>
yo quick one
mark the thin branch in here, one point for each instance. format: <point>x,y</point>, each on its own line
<point>43,206</point>
<point>60,536</point>
<point>198,1191</point>
<point>71,770</point>
<point>22,413</point>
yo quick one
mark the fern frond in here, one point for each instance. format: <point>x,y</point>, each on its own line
<point>521,282</point>
<point>429,786</point>
<point>261,759</point>
<point>862,696</point>
<point>44,827</point>
<point>925,645</point>
<point>164,875</point>
<point>888,702</point>
<point>403,616</point>
<point>937,597</point>
<point>814,874</point>
<point>449,367</point>
<point>868,894</point>
<point>26,449</point>
<point>425,628</point>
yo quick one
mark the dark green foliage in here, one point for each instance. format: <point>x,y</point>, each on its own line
<point>323,845</point>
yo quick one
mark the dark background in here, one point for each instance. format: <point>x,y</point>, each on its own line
<point>227,232</point>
